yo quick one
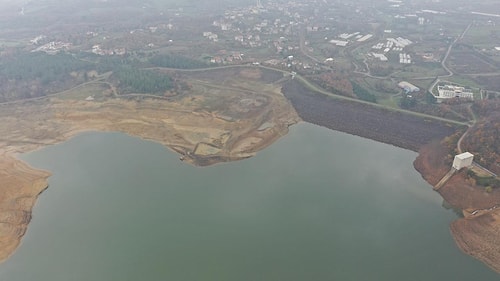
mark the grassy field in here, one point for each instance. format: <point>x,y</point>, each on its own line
<point>97,90</point>
<point>415,71</point>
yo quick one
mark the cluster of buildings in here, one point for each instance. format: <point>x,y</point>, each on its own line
<point>211,36</point>
<point>444,91</point>
<point>404,58</point>
<point>252,35</point>
<point>452,91</point>
<point>277,25</point>
<point>340,43</point>
<point>250,30</point>
<point>395,45</point>
<point>154,28</point>
<point>399,42</point>
<point>385,47</point>
<point>350,37</point>
<point>392,44</point>
<point>249,40</point>
<point>381,57</point>
<point>37,40</point>
<point>96,49</point>
<point>225,57</point>
<point>53,47</point>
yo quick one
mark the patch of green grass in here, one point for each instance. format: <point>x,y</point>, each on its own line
<point>420,71</point>
<point>463,81</point>
<point>80,93</point>
<point>392,101</point>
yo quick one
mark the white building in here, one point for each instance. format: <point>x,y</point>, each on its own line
<point>381,57</point>
<point>450,91</point>
<point>463,160</point>
<point>408,87</point>
<point>364,38</point>
<point>339,43</point>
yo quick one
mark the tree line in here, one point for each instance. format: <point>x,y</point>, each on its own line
<point>134,80</point>
<point>176,61</point>
<point>362,93</point>
<point>41,66</point>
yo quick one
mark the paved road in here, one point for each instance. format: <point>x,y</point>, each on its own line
<point>443,62</point>
<point>303,80</point>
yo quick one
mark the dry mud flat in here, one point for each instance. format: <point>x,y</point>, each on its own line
<point>210,125</point>
<point>478,233</point>
<point>480,237</point>
<point>20,186</point>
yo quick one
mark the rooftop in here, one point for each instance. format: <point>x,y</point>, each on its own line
<point>464,155</point>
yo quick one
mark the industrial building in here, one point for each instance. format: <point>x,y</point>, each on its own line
<point>408,87</point>
<point>463,160</point>
<point>339,43</point>
<point>450,91</point>
<point>381,57</point>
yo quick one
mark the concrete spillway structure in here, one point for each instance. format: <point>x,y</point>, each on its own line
<point>463,160</point>
<point>446,177</point>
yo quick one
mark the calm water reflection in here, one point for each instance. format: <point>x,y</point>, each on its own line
<point>317,205</point>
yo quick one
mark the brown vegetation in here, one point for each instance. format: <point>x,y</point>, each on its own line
<point>335,83</point>
<point>478,233</point>
<point>483,139</point>
<point>464,60</point>
<point>383,125</point>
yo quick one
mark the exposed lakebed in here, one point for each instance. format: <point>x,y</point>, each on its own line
<point>316,205</point>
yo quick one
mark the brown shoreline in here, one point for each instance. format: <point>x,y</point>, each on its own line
<point>21,186</point>
<point>478,233</point>
<point>477,236</point>
<point>230,130</point>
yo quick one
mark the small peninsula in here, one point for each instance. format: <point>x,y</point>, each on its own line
<point>218,121</point>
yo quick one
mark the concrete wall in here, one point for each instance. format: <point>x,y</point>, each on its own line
<point>462,161</point>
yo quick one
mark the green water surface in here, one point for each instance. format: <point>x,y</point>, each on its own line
<point>316,205</point>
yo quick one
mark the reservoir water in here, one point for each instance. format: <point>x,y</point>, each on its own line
<point>316,205</point>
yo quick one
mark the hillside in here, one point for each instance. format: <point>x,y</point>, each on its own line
<point>483,140</point>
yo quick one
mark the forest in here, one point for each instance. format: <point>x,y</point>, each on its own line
<point>362,93</point>
<point>40,66</point>
<point>26,75</point>
<point>134,80</point>
<point>37,74</point>
<point>176,61</point>
<point>484,138</point>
